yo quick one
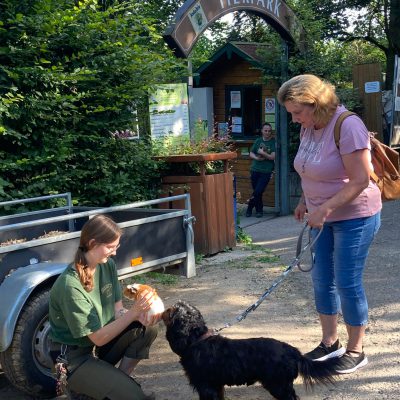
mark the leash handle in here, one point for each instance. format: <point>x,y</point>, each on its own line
<point>309,244</point>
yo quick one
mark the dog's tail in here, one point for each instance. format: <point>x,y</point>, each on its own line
<point>317,371</point>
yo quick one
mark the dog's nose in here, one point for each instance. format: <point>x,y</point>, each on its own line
<point>166,315</point>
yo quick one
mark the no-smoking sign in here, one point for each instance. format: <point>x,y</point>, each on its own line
<point>269,105</point>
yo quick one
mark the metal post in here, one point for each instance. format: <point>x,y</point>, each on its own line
<point>190,95</point>
<point>71,226</point>
<point>394,136</point>
<point>284,142</point>
<point>189,265</point>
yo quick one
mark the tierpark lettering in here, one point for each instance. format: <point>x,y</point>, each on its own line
<point>265,4</point>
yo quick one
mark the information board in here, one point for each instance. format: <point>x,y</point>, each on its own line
<point>169,111</point>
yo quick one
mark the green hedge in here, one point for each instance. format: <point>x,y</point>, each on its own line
<point>70,75</point>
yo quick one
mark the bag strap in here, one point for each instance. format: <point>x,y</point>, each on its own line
<point>338,125</point>
<point>336,132</point>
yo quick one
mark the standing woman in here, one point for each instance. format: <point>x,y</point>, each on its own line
<point>89,321</point>
<point>339,197</point>
<point>263,155</point>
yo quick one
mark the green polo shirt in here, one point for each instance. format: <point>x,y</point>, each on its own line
<point>75,313</point>
<point>265,166</point>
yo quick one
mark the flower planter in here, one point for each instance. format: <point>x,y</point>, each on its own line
<point>211,199</point>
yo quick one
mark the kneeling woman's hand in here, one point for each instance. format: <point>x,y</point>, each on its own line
<point>149,320</point>
<point>142,305</point>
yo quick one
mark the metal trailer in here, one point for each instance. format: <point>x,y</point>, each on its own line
<point>31,259</point>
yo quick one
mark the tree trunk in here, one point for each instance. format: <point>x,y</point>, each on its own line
<point>393,35</point>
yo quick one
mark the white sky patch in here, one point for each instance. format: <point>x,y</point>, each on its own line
<point>227,18</point>
<point>353,15</point>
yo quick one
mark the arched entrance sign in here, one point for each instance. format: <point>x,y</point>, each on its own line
<point>195,16</point>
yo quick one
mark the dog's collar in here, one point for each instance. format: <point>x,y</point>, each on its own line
<point>206,335</point>
<point>210,332</point>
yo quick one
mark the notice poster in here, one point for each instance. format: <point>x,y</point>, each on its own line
<point>169,111</point>
<point>270,105</point>
<point>372,87</point>
<point>236,128</point>
<point>222,129</point>
<point>235,99</point>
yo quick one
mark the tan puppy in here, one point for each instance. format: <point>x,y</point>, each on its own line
<point>135,292</point>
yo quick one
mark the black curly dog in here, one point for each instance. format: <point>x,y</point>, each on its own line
<point>212,361</point>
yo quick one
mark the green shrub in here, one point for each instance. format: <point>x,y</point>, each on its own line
<point>70,74</point>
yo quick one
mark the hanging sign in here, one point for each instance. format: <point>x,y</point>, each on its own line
<point>198,18</point>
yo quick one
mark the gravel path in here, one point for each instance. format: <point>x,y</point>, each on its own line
<point>228,283</point>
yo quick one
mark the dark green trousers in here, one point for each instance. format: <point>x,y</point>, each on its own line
<point>95,375</point>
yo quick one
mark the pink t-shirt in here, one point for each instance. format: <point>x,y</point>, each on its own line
<point>322,172</point>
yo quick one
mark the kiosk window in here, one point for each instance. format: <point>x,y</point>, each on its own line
<point>243,109</point>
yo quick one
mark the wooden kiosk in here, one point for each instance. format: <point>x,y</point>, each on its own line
<point>242,103</point>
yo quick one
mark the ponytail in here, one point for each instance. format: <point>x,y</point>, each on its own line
<point>84,273</point>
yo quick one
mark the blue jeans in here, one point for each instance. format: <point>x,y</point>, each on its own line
<point>259,181</point>
<point>340,255</point>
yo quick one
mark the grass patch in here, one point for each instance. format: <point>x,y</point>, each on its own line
<point>244,263</point>
<point>198,258</point>
<point>253,246</point>
<point>157,277</point>
<point>268,257</point>
<point>242,236</point>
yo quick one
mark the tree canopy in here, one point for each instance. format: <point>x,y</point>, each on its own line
<point>375,23</point>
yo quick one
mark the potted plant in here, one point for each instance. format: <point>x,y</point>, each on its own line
<point>200,167</point>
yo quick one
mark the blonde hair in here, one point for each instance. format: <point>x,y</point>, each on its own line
<point>103,230</point>
<point>310,90</point>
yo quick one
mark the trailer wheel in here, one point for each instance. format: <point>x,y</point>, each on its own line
<point>27,363</point>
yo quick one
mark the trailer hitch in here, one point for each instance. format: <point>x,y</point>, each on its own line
<point>187,223</point>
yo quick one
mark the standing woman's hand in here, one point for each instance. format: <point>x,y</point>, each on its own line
<point>317,218</point>
<point>300,211</point>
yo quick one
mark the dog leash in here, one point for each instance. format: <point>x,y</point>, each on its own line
<point>296,262</point>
